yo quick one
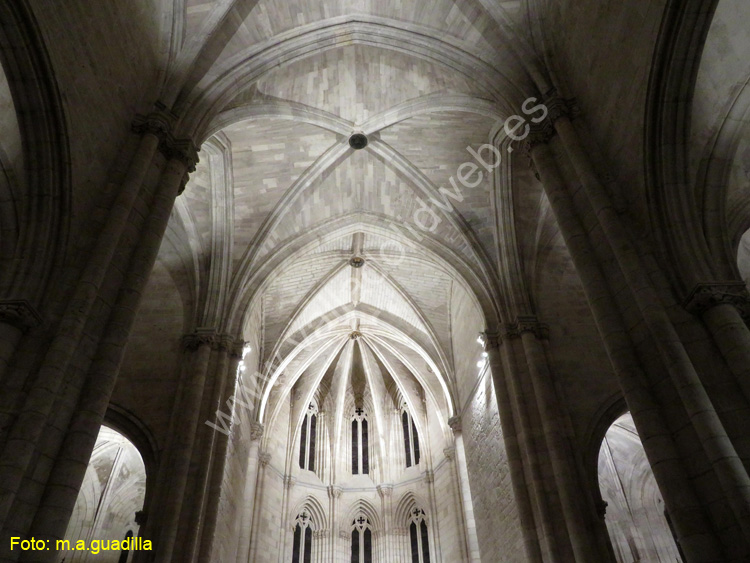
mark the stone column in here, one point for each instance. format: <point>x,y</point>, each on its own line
<point>16,317</point>
<point>684,508</point>
<point>386,505</point>
<point>25,434</point>
<point>284,551</point>
<point>343,546</point>
<point>470,528</point>
<point>717,445</point>
<point>336,550</point>
<point>248,497</point>
<point>67,475</point>
<point>491,341</point>
<point>570,487</point>
<point>725,310</point>
<point>264,460</point>
<point>544,497</point>
<point>228,364</point>
<point>197,352</point>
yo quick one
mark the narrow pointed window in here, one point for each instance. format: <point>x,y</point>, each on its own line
<point>307,438</point>
<point>420,541</point>
<point>361,541</point>
<point>360,443</point>
<point>411,438</point>
<point>302,548</point>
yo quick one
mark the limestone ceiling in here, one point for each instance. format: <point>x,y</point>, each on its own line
<point>280,202</point>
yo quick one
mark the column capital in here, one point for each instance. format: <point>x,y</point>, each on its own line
<point>237,348</point>
<point>256,431</point>
<point>289,481</point>
<point>344,535</point>
<point>429,476</point>
<point>707,295</point>
<point>334,491</point>
<point>450,453</point>
<point>490,339</point>
<point>157,123</point>
<point>527,323</point>
<point>385,490</point>
<point>19,313</point>
<point>455,423</point>
<point>200,337</point>
<point>182,150</point>
<point>320,534</point>
<point>558,107</point>
<point>601,508</point>
<point>264,459</point>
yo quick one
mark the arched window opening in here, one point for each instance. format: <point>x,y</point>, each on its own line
<point>411,438</point>
<point>307,442</point>
<point>420,541</point>
<point>361,541</point>
<point>124,553</point>
<point>360,444</point>
<point>635,511</point>
<point>113,490</point>
<point>303,533</point>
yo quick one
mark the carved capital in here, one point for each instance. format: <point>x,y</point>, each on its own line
<point>201,337</point>
<point>601,508</point>
<point>264,459</point>
<point>289,481</point>
<point>237,348</point>
<point>335,491</point>
<point>455,423</point>
<point>20,314</point>
<point>705,296</point>
<point>320,534</point>
<point>558,107</point>
<point>181,150</point>
<point>527,324</point>
<point>256,431</point>
<point>141,517</point>
<point>450,453</point>
<point>385,490</point>
<point>344,535</point>
<point>400,532</point>
<point>429,476</point>
<point>490,339</point>
<point>157,123</point>
<point>539,134</point>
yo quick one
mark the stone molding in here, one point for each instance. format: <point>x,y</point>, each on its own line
<point>385,490</point>
<point>256,431</point>
<point>491,339</point>
<point>236,348</point>
<point>159,123</point>
<point>526,323</point>
<point>705,296</point>
<point>264,459</point>
<point>19,313</point>
<point>429,476</point>
<point>344,535</point>
<point>455,424</point>
<point>335,491</point>
<point>217,342</point>
<point>543,132</point>
<point>320,534</point>
<point>289,481</point>
<point>450,453</point>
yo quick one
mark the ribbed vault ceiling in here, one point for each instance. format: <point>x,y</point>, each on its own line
<point>280,202</point>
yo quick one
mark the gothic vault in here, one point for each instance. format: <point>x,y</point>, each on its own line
<point>375,280</point>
